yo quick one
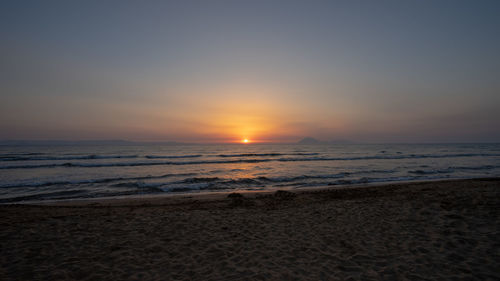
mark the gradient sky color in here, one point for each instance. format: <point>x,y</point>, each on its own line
<point>222,71</point>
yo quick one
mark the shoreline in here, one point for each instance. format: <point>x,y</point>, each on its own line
<point>440,230</point>
<point>162,199</point>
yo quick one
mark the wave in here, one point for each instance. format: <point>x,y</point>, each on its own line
<point>302,177</point>
<point>67,194</point>
<point>453,169</point>
<point>164,186</point>
<point>194,184</point>
<point>251,183</point>
<point>18,157</point>
<point>215,183</point>
<point>484,167</point>
<point>366,180</point>
<point>250,155</point>
<point>139,181</point>
<point>172,156</point>
<point>84,157</point>
<point>206,183</point>
<point>91,181</point>
<point>10,155</point>
<point>212,182</point>
<point>198,180</point>
<point>431,172</point>
<point>266,154</point>
<point>391,157</point>
<point>131,164</point>
<point>53,195</point>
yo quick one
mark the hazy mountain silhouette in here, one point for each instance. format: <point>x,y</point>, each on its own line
<point>310,140</point>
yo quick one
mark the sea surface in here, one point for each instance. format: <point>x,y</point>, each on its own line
<point>34,173</point>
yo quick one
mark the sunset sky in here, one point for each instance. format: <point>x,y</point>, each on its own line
<point>268,71</point>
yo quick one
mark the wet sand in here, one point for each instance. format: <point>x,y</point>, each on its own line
<point>447,230</point>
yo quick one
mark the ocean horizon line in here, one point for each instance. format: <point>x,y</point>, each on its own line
<point>57,142</point>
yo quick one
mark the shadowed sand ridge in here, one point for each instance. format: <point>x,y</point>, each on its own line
<point>434,230</point>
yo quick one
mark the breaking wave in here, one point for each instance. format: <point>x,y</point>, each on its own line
<point>74,172</point>
<point>90,181</point>
<point>53,158</point>
<point>267,154</point>
<point>201,162</point>
<point>172,156</point>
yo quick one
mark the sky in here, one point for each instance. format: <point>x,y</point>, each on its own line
<point>267,71</point>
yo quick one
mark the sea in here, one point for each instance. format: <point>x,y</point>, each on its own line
<point>68,172</point>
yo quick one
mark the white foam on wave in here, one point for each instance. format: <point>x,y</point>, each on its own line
<point>172,156</point>
<point>59,158</point>
<point>89,181</point>
<point>201,162</point>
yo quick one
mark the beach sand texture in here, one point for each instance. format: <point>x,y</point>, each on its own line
<point>414,231</point>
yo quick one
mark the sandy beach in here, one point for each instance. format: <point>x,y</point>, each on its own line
<point>446,230</point>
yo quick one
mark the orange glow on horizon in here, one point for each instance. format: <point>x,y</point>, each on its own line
<point>240,113</point>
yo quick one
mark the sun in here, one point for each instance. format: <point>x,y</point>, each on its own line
<point>245,141</point>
